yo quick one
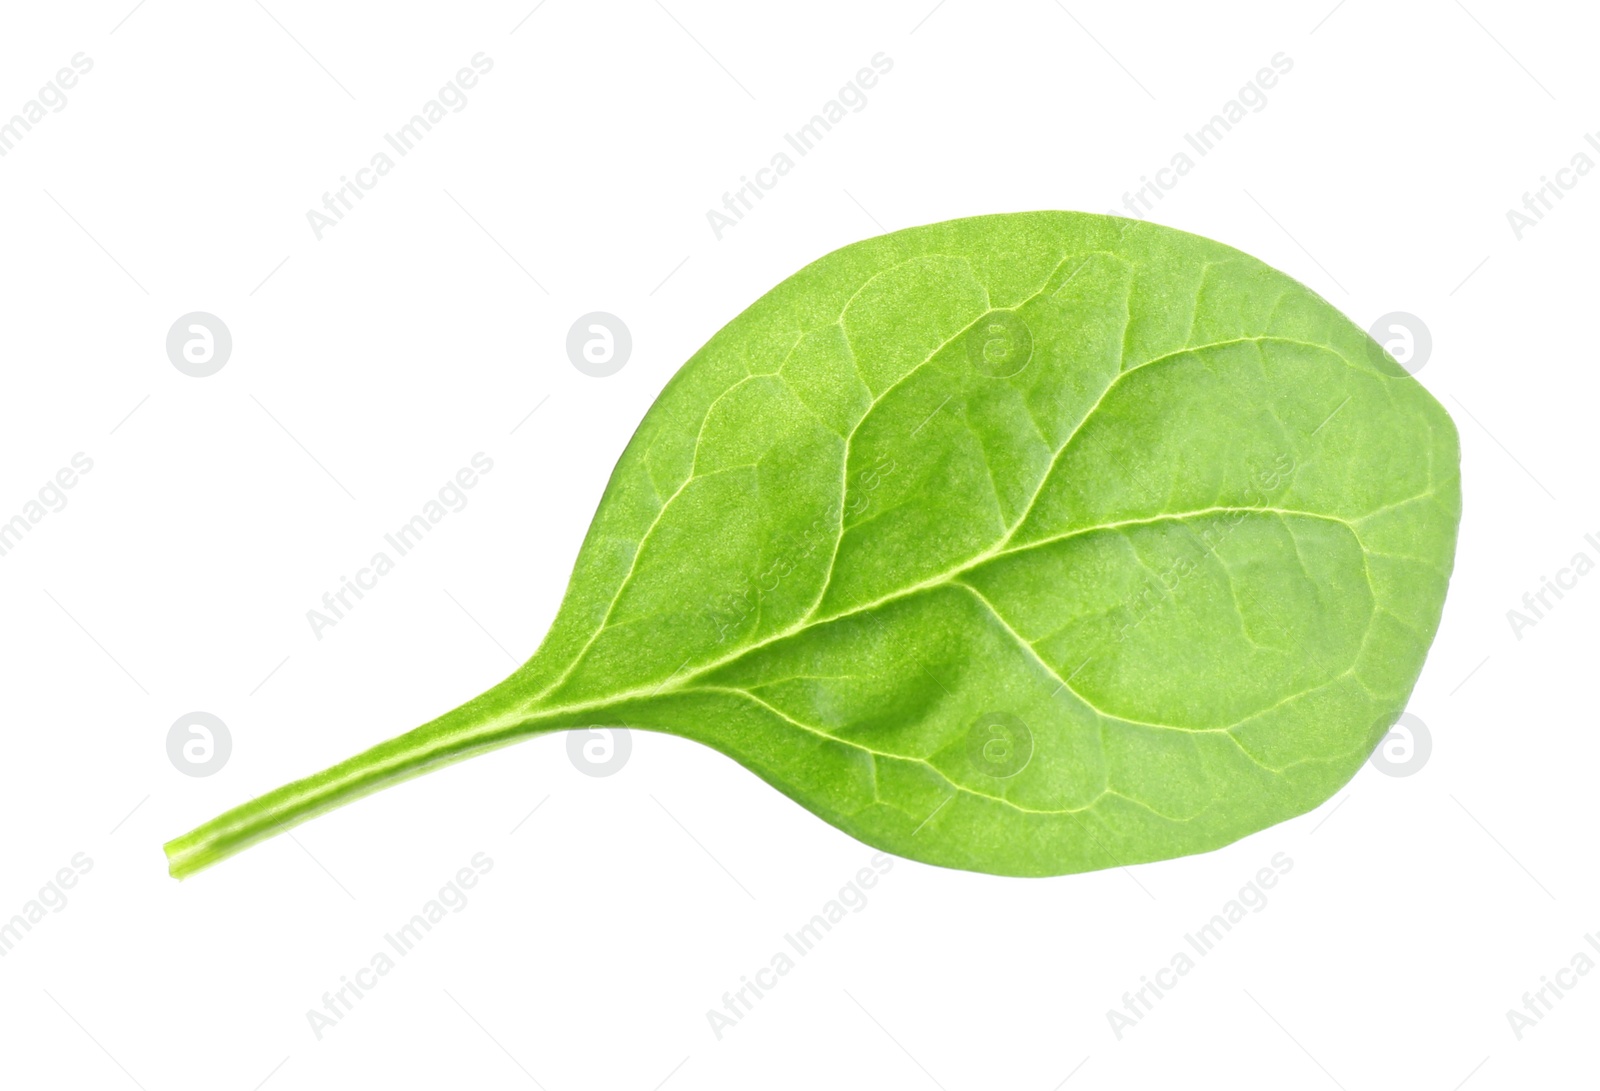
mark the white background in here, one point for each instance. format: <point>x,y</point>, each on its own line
<point>370,365</point>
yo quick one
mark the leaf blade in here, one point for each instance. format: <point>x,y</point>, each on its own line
<point>960,465</point>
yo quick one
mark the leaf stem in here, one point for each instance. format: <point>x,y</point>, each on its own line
<point>496,718</point>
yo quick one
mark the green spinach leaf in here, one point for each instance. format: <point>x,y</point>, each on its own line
<point>1028,544</point>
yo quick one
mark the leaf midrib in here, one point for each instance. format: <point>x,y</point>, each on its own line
<point>685,684</point>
